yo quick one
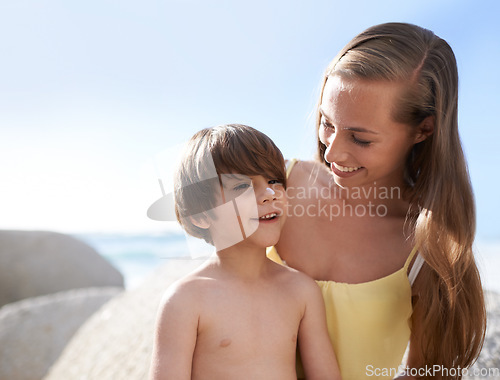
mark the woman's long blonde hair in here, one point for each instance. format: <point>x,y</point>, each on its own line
<point>450,306</point>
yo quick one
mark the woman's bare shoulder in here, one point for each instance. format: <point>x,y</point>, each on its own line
<point>307,172</point>
<point>292,279</point>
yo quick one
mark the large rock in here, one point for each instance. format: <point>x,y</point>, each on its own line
<point>34,263</point>
<point>34,331</point>
<point>117,341</point>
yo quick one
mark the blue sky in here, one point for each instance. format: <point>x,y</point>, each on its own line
<point>91,91</point>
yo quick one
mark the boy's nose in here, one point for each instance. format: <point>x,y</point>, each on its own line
<point>267,194</point>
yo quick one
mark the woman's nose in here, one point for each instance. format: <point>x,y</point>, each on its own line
<point>335,149</point>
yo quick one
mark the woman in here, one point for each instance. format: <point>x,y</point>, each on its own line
<point>385,219</point>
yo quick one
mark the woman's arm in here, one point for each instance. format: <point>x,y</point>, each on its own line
<point>415,359</point>
<point>316,351</point>
<point>175,337</point>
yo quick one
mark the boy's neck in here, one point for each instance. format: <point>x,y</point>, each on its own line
<point>242,262</point>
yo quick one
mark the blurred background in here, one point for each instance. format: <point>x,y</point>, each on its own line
<point>92,93</point>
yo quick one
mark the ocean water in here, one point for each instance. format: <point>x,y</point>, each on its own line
<point>488,260</point>
<point>136,256</point>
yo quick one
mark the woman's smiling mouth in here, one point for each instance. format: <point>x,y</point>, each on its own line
<point>346,169</point>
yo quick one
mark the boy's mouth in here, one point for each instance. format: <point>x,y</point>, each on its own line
<point>270,216</point>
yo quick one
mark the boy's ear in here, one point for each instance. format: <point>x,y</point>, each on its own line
<point>425,129</point>
<point>200,222</point>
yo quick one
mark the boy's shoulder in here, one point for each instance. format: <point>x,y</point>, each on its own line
<point>187,288</point>
<point>182,303</point>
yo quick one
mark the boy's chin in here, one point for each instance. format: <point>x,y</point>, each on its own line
<point>260,241</point>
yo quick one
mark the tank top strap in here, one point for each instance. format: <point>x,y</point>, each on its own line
<point>410,257</point>
<point>289,166</point>
<point>417,265</point>
<point>273,254</point>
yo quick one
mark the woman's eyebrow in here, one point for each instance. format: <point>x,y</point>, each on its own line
<point>353,129</point>
<point>359,129</point>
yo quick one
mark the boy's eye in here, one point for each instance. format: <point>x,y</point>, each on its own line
<point>242,186</point>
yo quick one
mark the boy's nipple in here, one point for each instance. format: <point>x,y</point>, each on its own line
<point>225,342</point>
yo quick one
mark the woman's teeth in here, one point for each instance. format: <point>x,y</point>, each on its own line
<point>346,169</point>
<point>268,216</point>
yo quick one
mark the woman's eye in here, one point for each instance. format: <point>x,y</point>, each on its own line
<point>325,125</point>
<point>360,142</point>
<point>275,182</point>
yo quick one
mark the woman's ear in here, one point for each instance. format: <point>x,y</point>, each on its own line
<point>425,129</point>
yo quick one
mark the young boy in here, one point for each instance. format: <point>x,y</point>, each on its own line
<point>240,315</point>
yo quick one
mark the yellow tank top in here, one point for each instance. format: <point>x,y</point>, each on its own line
<point>368,323</point>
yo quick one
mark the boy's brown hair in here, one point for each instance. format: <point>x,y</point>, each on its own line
<point>225,149</point>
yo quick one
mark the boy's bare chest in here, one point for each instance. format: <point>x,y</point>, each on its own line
<point>238,326</point>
